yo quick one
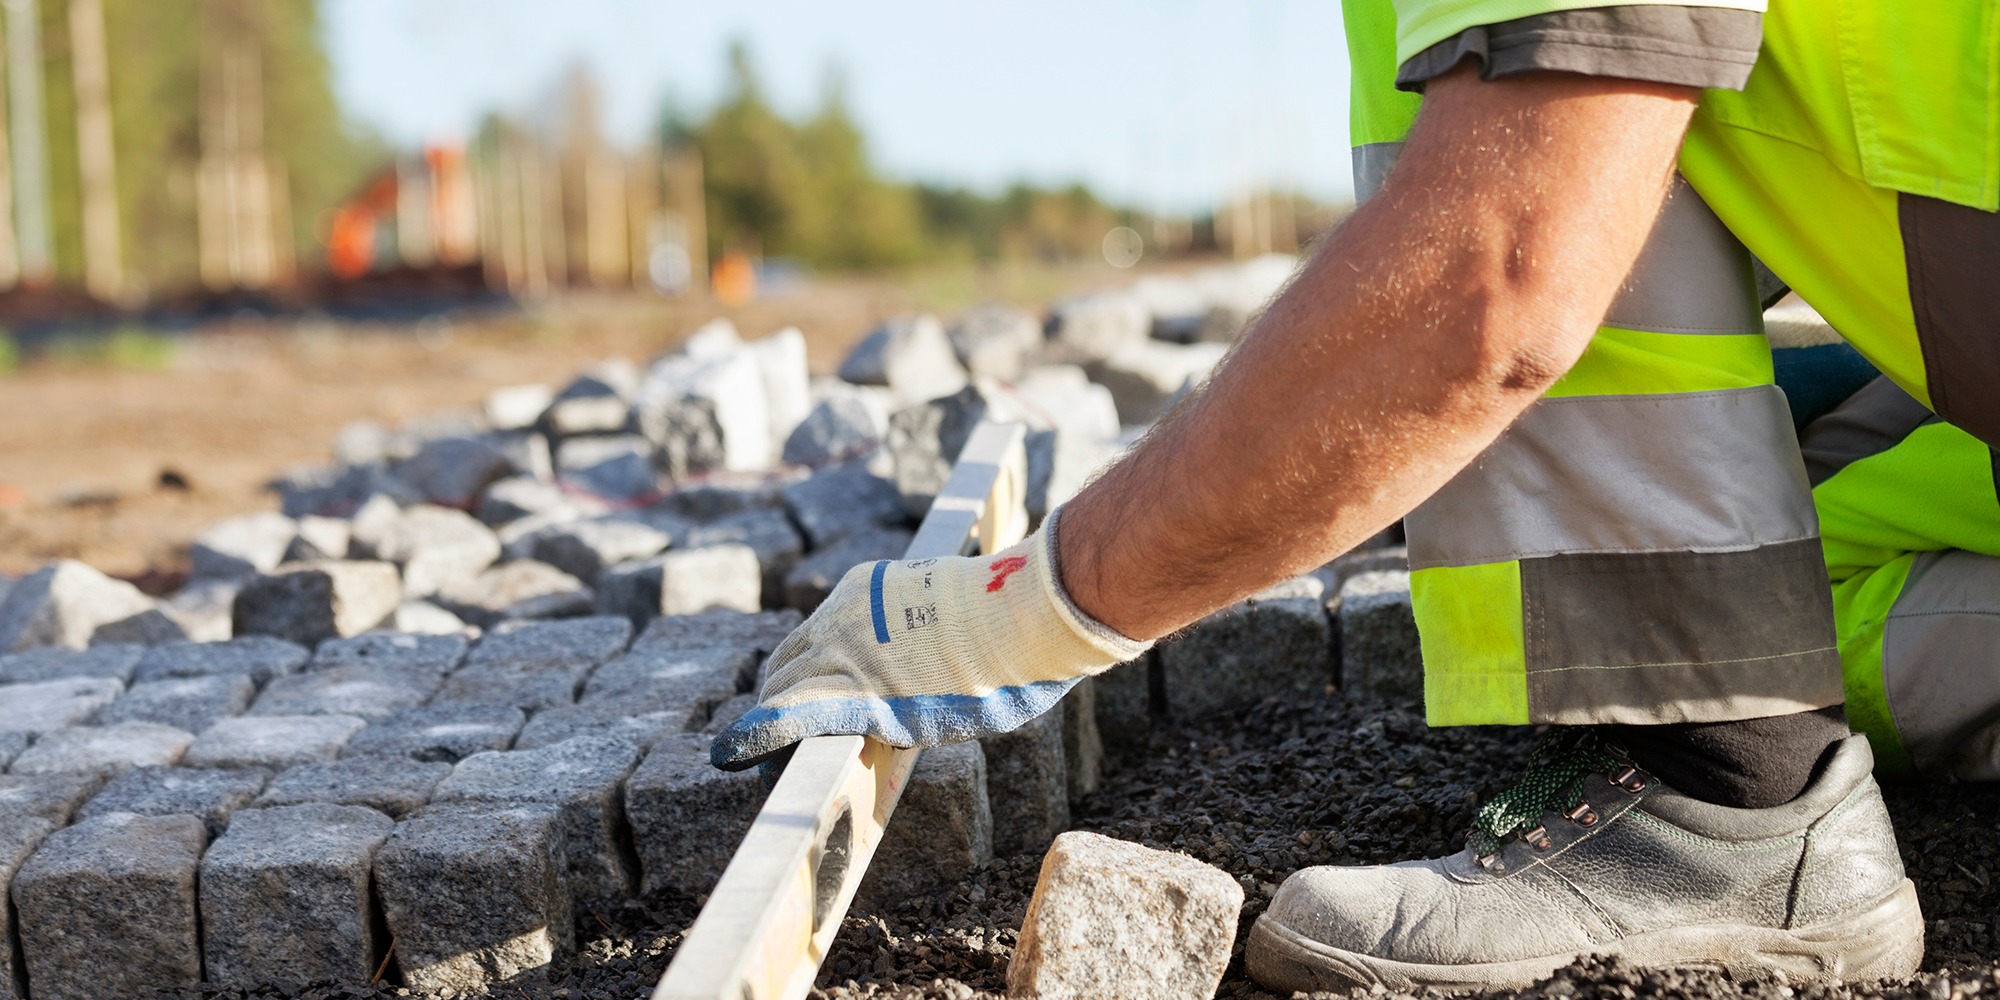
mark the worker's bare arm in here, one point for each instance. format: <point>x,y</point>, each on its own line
<point>1420,329</point>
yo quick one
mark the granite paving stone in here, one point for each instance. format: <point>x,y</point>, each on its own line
<point>54,797</point>
<point>40,706</point>
<point>432,545</point>
<point>311,602</point>
<point>761,631</point>
<point>109,748</point>
<point>519,589</point>
<point>257,657</point>
<point>715,576</point>
<point>687,817</point>
<point>1125,700</point>
<point>11,745</point>
<point>210,795</point>
<point>285,896</point>
<point>942,828</point>
<point>474,893</point>
<point>535,665</point>
<point>396,786</point>
<point>151,627</point>
<point>816,575</point>
<point>19,836</point>
<point>190,703</point>
<point>1380,653</point>
<point>584,779</point>
<point>425,618</point>
<point>432,654</point>
<point>366,691</point>
<point>728,712</point>
<point>841,500</point>
<point>319,538</point>
<point>107,907</point>
<point>1275,644</point>
<point>765,531</point>
<point>273,741</point>
<point>1027,781</point>
<point>241,546</point>
<point>52,663</point>
<point>609,718</point>
<point>61,604</point>
<point>690,681</point>
<point>924,440</point>
<point>1083,742</point>
<point>584,549</point>
<point>439,733</point>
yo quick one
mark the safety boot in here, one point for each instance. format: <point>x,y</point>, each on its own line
<point>1591,855</point>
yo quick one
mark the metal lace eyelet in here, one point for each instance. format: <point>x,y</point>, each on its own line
<point>1538,838</point>
<point>1623,777</point>
<point>1582,815</point>
<point>1635,786</point>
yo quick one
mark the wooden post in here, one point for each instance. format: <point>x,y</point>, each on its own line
<point>10,250</point>
<point>103,255</point>
<point>30,145</point>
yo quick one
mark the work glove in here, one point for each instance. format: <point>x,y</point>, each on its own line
<point>928,652</point>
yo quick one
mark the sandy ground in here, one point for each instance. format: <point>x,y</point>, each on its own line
<point>86,448</point>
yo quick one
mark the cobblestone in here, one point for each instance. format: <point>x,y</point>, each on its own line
<point>311,602</point>
<point>522,589</point>
<point>257,657</point>
<point>109,748</point>
<point>44,705</point>
<point>52,663</point>
<point>190,703</point>
<point>317,925</point>
<point>209,795</point>
<point>395,786</point>
<point>1027,782</point>
<point>535,665</point>
<point>583,778</point>
<point>62,604</point>
<point>432,654</point>
<point>1380,653</point>
<point>942,828</point>
<point>439,733</point>
<point>54,797</point>
<point>19,836</point>
<point>365,691</point>
<point>1268,645</point>
<point>272,741</point>
<point>687,817</point>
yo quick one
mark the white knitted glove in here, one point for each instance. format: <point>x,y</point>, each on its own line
<point>928,652</point>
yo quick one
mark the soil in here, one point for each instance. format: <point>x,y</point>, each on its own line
<point>1261,793</point>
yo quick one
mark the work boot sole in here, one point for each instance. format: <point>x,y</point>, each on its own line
<point>1884,941</point>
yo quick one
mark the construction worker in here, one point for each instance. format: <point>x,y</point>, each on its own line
<point>1540,337</point>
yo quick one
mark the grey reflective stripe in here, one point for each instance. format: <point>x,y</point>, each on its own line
<point>1692,277</point>
<point>1371,167</point>
<point>1939,669</point>
<point>1689,472</point>
<point>1870,422</point>
<point>1679,636</point>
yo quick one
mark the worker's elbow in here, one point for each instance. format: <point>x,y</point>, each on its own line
<point>1507,354</point>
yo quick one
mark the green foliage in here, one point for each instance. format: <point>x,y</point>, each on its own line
<point>10,355</point>
<point>133,347</point>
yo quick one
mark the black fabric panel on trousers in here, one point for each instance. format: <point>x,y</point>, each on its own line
<point>1746,764</point>
<point>1952,254</point>
<point>1699,634</point>
<point>1870,422</point>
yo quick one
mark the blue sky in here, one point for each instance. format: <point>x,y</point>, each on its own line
<point>1168,103</point>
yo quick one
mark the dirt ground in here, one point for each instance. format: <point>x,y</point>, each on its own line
<point>92,453</point>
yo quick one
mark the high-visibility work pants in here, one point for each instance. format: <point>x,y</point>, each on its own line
<point>1645,544</point>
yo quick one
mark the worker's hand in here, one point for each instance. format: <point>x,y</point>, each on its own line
<point>928,652</point>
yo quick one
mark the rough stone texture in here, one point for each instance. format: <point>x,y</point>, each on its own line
<point>1124,696</point>
<point>57,662</point>
<point>942,828</point>
<point>630,591</point>
<point>1027,782</point>
<point>439,733</point>
<point>432,654</point>
<point>613,468</point>
<point>319,538</point>
<point>1145,376</point>
<point>396,786</point>
<point>203,609</point>
<point>257,657</point>
<point>210,795</point>
<point>517,497</point>
<point>535,665</point>
<point>340,490</point>
<point>242,546</point>
<point>707,410</point>
<point>517,407</point>
<point>910,355</point>
<point>583,779</point>
<point>996,341</point>
<point>666,677</point>
<point>432,545</point>
<point>729,711</point>
<point>584,549</point>
<point>1268,645</point>
<point>595,402</point>
<point>1093,327</point>
<point>687,817</point>
<point>19,836</point>
<point>190,703</point>
<point>760,632</point>
<point>809,583</point>
<point>1368,559</point>
<point>107,907</point>
<point>718,576</point>
<point>474,893</point>
<point>721,495</point>
<point>285,896</point>
<point>425,618</point>
<point>1083,743</point>
<point>629,721</point>
<point>11,745</point>
<point>1073,422</point>
<point>1380,654</point>
<point>834,430</point>
<point>765,531</point>
<point>454,470</point>
<point>311,602</point>
<point>273,741</point>
<point>843,500</point>
<point>781,360</point>
<point>52,797</point>
<point>366,691</point>
<point>516,590</point>
<point>61,604</point>
<point>151,627</point>
<point>44,705</point>
<point>103,749</point>
<point>925,439</point>
<point>1114,919</point>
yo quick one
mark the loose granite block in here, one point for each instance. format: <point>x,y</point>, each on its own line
<point>522,589</point>
<point>687,817</point>
<point>584,549</point>
<point>1027,780</point>
<point>397,786</point>
<point>766,532</point>
<point>11,745</point>
<point>61,604</point>
<point>843,500</point>
<point>942,828</point>
<point>474,893</point>
<point>1380,653</point>
<point>107,907</point>
<point>44,705</point>
<point>284,896</point>
<point>209,795</point>
<point>273,741</point>
<point>151,627</point>
<point>430,654</point>
<point>54,797</point>
<point>54,663</point>
<point>718,576</point>
<point>312,602</point>
<point>433,545</point>
<point>439,733</point>
<point>190,703</point>
<point>1114,919</point>
<point>760,632</point>
<point>813,579</point>
<point>19,836</point>
<point>608,718</point>
<point>1266,646</point>
<point>584,779</point>
<point>109,748</point>
<point>535,665</point>
<point>366,692</point>
<point>241,546</point>
<point>257,657</point>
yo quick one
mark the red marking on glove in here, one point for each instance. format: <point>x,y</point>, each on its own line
<point>1006,568</point>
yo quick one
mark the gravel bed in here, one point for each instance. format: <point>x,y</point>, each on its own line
<point>1261,793</point>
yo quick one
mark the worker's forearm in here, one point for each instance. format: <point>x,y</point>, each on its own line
<point>1416,334</point>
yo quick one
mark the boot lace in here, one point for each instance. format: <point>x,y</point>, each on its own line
<point>1553,780</point>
